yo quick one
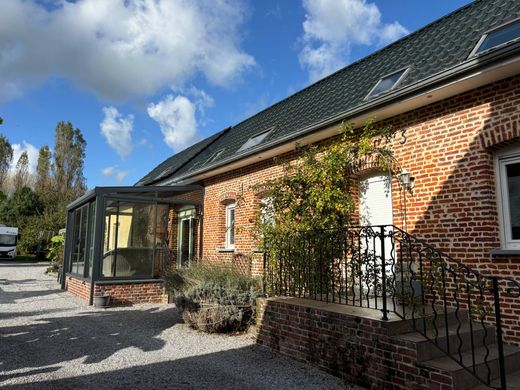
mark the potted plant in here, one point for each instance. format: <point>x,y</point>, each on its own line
<point>102,300</point>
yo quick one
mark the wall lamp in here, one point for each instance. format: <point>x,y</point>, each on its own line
<point>407,181</point>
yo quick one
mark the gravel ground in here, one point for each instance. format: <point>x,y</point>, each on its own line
<point>52,340</point>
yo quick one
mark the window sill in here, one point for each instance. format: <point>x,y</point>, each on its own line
<point>505,252</point>
<point>225,250</point>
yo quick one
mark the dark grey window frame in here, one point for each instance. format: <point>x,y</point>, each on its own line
<point>266,132</point>
<point>127,199</point>
<point>215,155</point>
<point>405,70</point>
<point>475,53</point>
<point>148,194</point>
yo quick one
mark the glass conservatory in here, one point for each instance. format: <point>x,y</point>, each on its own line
<point>125,236</point>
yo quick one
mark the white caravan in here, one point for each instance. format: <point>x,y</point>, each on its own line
<point>8,239</point>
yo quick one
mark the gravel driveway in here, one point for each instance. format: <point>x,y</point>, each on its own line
<point>52,340</point>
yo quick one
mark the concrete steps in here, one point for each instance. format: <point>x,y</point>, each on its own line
<point>513,382</point>
<point>460,338</point>
<point>462,379</point>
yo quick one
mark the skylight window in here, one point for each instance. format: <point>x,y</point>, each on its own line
<point>497,37</point>
<point>255,140</point>
<point>214,156</point>
<point>387,83</point>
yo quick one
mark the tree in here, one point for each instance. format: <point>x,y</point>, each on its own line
<point>17,209</point>
<point>69,155</point>
<point>43,180</point>
<point>6,157</point>
<point>21,176</point>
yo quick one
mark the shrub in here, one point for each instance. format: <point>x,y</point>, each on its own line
<point>214,298</point>
<point>55,255</point>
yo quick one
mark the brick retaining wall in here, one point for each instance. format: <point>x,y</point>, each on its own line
<point>358,350</point>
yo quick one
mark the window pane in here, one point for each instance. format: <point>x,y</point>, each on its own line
<point>90,244</point>
<point>110,236</point>
<point>513,188</point>
<point>500,36</point>
<point>387,83</point>
<point>82,240</point>
<point>161,237</point>
<point>79,240</point>
<point>135,240</point>
<point>75,241</point>
<point>231,226</point>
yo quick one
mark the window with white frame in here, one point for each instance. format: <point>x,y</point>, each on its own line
<point>230,226</point>
<point>508,170</point>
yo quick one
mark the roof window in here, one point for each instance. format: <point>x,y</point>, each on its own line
<point>387,83</point>
<point>214,156</point>
<point>498,36</point>
<point>255,140</point>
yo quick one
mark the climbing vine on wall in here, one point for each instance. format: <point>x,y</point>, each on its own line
<point>317,191</point>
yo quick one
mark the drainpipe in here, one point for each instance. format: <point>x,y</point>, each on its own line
<point>201,223</point>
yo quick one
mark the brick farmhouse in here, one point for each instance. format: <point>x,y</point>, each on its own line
<point>451,90</point>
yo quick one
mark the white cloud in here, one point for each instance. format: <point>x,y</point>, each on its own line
<point>176,118</point>
<point>120,49</point>
<point>114,173</point>
<point>117,130</point>
<point>331,27</point>
<point>32,153</point>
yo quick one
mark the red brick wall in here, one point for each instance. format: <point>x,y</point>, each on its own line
<point>358,350</point>
<point>449,150</point>
<point>120,293</point>
<point>133,293</point>
<point>78,287</point>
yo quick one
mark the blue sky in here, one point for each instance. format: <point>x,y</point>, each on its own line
<point>144,79</point>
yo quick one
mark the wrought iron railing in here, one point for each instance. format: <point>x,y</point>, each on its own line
<point>385,268</point>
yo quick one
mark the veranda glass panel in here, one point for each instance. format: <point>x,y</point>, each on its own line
<point>90,243</point>
<point>79,240</point>
<point>75,234</point>
<point>135,240</point>
<point>110,237</point>
<point>134,234</point>
<point>161,237</point>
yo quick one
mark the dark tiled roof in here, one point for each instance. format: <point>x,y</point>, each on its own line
<point>178,160</point>
<point>440,45</point>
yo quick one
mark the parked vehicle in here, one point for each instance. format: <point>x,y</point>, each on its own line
<point>8,240</point>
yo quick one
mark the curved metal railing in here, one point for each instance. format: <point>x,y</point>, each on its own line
<point>386,268</point>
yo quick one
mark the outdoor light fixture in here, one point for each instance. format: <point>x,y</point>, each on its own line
<point>407,180</point>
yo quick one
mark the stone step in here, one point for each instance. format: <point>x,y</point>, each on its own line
<point>407,325</point>
<point>462,379</point>
<point>459,339</point>
<point>512,382</point>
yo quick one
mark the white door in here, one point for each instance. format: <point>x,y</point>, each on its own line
<point>376,200</point>
<point>376,209</point>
